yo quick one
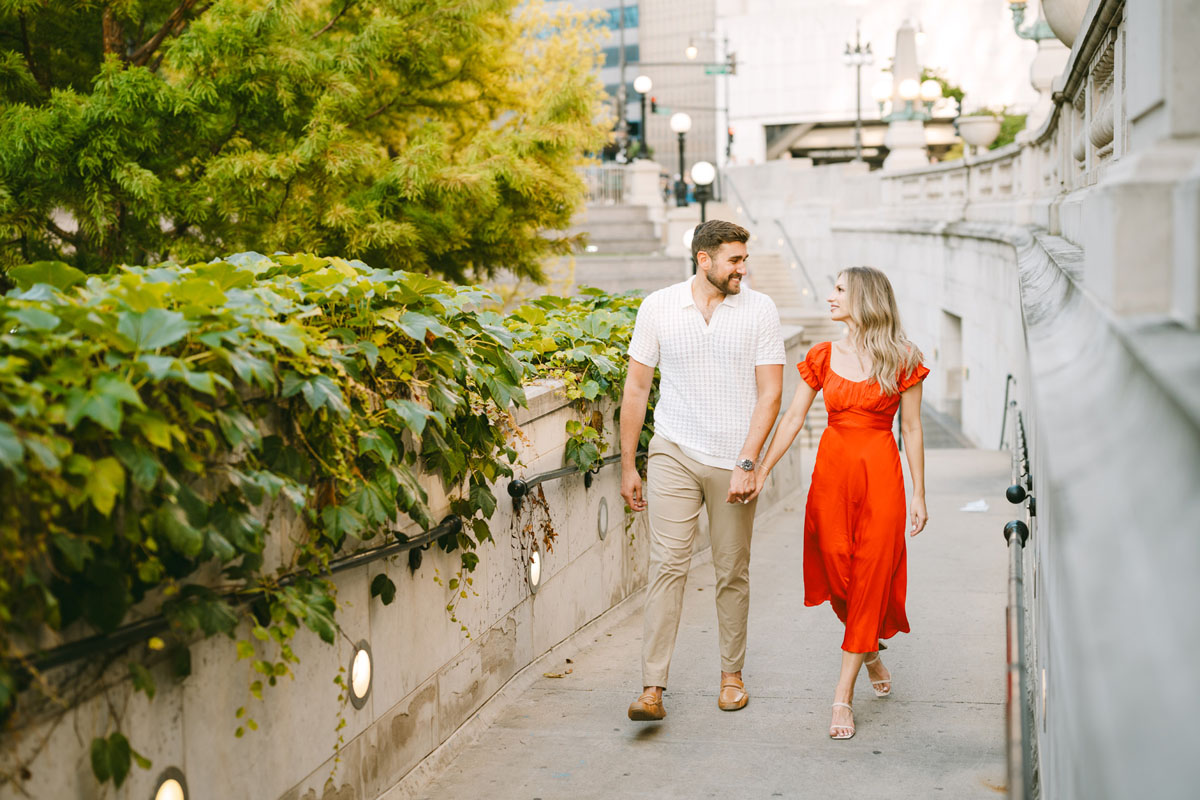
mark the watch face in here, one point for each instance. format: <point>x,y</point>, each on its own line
<point>746,464</point>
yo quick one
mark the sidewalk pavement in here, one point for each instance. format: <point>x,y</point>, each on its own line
<point>941,734</point>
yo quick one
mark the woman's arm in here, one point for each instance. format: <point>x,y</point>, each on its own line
<point>785,434</point>
<point>914,448</point>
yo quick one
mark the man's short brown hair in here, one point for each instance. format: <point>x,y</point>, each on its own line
<point>709,236</point>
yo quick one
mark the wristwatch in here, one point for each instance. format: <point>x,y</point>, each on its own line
<point>746,464</point>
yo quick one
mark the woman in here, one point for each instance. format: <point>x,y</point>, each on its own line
<point>855,518</point>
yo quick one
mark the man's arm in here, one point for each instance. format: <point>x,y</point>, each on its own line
<point>769,380</point>
<point>638,381</point>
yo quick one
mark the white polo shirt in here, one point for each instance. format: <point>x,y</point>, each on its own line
<point>707,389</point>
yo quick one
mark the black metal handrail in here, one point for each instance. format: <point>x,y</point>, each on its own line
<point>150,626</point>
<point>1018,715</point>
<point>799,260</point>
<point>519,487</point>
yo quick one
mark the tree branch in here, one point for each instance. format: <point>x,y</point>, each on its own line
<point>72,238</point>
<point>112,33</point>
<point>336,17</point>
<point>28,53</point>
<point>172,25</point>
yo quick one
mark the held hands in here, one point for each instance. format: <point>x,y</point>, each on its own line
<point>760,481</point>
<point>631,489</point>
<point>918,516</point>
<point>741,486</point>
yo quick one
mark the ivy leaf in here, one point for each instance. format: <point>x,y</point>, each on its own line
<point>47,457</point>
<point>100,766</point>
<point>104,482</point>
<point>75,551</point>
<point>200,292</point>
<point>200,608</point>
<point>238,428</point>
<point>341,521</point>
<point>383,588</point>
<point>225,275</point>
<point>55,273</point>
<point>171,521</point>
<point>104,409</point>
<point>12,452</point>
<point>117,388</point>
<point>152,328</point>
<point>379,441</point>
<point>252,370</point>
<point>290,335</point>
<point>35,319</point>
<point>483,499</point>
<point>143,681</point>
<point>318,391</point>
<point>415,415</point>
<point>142,465</point>
<point>590,390</point>
<point>120,758</point>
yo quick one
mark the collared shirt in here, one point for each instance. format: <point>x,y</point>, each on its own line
<point>707,384</point>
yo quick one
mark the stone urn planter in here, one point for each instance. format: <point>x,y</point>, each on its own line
<point>1065,18</point>
<point>979,131</point>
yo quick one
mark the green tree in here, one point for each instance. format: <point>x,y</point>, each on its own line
<point>428,136</point>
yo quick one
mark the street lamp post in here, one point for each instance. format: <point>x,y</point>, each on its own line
<point>681,123</point>
<point>642,85</point>
<point>703,174</point>
<point>858,57</point>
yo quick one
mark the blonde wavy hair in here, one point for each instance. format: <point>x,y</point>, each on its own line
<point>877,332</point>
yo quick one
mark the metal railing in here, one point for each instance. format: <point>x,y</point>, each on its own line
<point>518,488</point>
<point>1018,715</point>
<point>151,626</point>
<point>605,184</point>
<point>799,261</point>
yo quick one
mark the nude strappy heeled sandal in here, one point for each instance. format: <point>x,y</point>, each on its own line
<point>833,729</point>
<point>875,684</point>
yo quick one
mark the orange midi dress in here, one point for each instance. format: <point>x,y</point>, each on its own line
<point>854,548</point>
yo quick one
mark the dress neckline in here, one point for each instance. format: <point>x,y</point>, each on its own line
<point>836,373</point>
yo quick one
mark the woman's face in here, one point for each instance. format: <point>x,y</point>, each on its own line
<point>839,302</point>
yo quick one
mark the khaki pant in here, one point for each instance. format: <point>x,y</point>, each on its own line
<point>677,487</point>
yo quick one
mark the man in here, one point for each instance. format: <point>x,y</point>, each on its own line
<point>720,356</point>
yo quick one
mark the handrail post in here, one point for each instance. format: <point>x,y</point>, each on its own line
<point>1018,719</point>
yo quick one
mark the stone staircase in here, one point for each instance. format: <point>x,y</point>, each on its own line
<point>623,253</point>
<point>617,229</point>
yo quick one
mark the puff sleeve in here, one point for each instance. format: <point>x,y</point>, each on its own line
<point>812,368</point>
<point>913,378</point>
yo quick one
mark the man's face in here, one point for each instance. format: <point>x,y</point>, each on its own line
<point>727,268</point>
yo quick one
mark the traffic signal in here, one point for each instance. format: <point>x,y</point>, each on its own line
<point>733,63</point>
<point>653,105</point>
<point>730,139</point>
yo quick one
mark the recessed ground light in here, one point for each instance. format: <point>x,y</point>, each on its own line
<point>360,674</point>
<point>533,571</point>
<point>171,785</point>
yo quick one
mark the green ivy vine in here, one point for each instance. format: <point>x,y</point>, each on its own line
<point>161,419</point>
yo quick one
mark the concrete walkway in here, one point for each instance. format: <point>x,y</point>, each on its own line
<point>939,736</point>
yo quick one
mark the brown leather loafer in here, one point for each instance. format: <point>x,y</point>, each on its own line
<point>733,694</point>
<point>647,708</point>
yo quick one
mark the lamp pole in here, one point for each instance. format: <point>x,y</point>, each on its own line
<point>642,85</point>
<point>858,56</point>
<point>703,174</point>
<point>681,123</point>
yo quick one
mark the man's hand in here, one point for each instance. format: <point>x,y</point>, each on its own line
<point>631,489</point>
<point>741,486</point>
